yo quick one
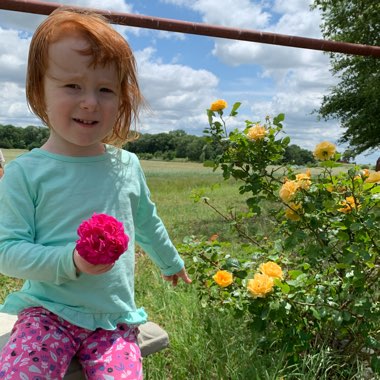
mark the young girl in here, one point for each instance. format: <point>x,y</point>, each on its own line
<point>81,82</point>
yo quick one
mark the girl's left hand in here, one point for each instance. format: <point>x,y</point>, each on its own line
<point>174,278</point>
<point>83,266</point>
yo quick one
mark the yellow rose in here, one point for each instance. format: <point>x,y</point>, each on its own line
<point>373,178</point>
<point>288,190</point>
<point>348,205</point>
<point>271,269</point>
<point>291,213</point>
<point>304,179</point>
<point>257,132</point>
<point>218,105</point>
<point>324,151</point>
<point>364,173</point>
<point>223,278</point>
<point>260,285</point>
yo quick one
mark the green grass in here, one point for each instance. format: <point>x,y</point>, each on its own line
<point>204,344</point>
<point>8,285</point>
<point>172,184</point>
<point>10,154</point>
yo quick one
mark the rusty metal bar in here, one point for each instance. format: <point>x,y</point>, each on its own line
<point>44,8</point>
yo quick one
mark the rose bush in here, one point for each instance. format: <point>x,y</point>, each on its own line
<point>321,286</point>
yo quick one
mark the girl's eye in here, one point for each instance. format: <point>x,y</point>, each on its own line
<point>74,86</point>
<point>105,89</point>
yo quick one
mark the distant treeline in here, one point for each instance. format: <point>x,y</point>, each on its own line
<point>12,137</point>
<point>167,146</point>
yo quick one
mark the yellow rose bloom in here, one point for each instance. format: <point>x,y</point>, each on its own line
<point>324,151</point>
<point>364,173</point>
<point>257,132</point>
<point>348,205</point>
<point>288,190</point>
<point>218,105</point>
<point>260,285</point>
<point>373,177</point>
<point>291,213</point>
<point>223,278</point>
<point>304,179</point>
<point>271,269</point>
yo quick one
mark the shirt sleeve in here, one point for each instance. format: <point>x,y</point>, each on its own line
<point>20,256</point>
<point>151,233</point>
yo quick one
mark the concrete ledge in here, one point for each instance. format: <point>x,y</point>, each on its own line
<point>152,338</point>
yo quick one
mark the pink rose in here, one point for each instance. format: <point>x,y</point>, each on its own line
<point>102,239</point>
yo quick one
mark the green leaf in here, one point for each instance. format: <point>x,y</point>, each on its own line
<point>210,115</point>
<point>306,266</point>
<point>279,118</point>
<point>315,313</point>
<point>373,343</point>
<point>294,273</point>
<point>355,227</point>
<point>232,263</point>
<point>285,288</point>
<point>286,141</point>
<point>375,364</point>
<point>235,108</point>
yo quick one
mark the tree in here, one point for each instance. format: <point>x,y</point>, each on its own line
<point>12,137</point>
<point>355,99</point>
<point>347,155</point>
<point>298,156</point>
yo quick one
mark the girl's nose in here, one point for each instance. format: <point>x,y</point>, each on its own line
<point>89,102</point>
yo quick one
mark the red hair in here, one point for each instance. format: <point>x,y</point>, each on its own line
<point>105,46</point>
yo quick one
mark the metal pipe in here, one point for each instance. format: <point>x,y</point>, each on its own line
<point>171,25</point>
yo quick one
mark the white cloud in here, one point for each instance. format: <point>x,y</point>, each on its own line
<point>246,14</point>
<point>167,35</point>
<point>232,13</point>
<point>286,6</point>
<point>29,22</point>
<point>13,56</point>
<point>13,108</point>
<point>176,93</point>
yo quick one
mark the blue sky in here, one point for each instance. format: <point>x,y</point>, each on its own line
<point>181,75</point>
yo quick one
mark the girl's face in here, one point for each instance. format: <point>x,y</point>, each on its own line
<point>82,102</point>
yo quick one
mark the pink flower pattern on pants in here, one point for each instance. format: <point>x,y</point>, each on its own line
<point>42,345</point>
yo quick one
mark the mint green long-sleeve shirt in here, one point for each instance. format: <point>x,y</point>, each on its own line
<point>43,199</point>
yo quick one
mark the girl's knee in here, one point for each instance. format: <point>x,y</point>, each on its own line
<point>115,354</point>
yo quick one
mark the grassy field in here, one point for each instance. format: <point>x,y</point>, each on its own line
<point>10,154</point>
<point>204,344</point>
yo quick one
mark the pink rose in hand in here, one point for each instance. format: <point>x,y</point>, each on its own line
<point>102,239</point>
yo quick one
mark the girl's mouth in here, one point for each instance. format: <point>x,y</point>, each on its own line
<point>85,122</point>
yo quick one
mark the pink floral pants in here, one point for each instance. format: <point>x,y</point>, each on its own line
<point>42,345</point>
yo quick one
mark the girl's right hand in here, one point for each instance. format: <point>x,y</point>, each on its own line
<point>83,266</point>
